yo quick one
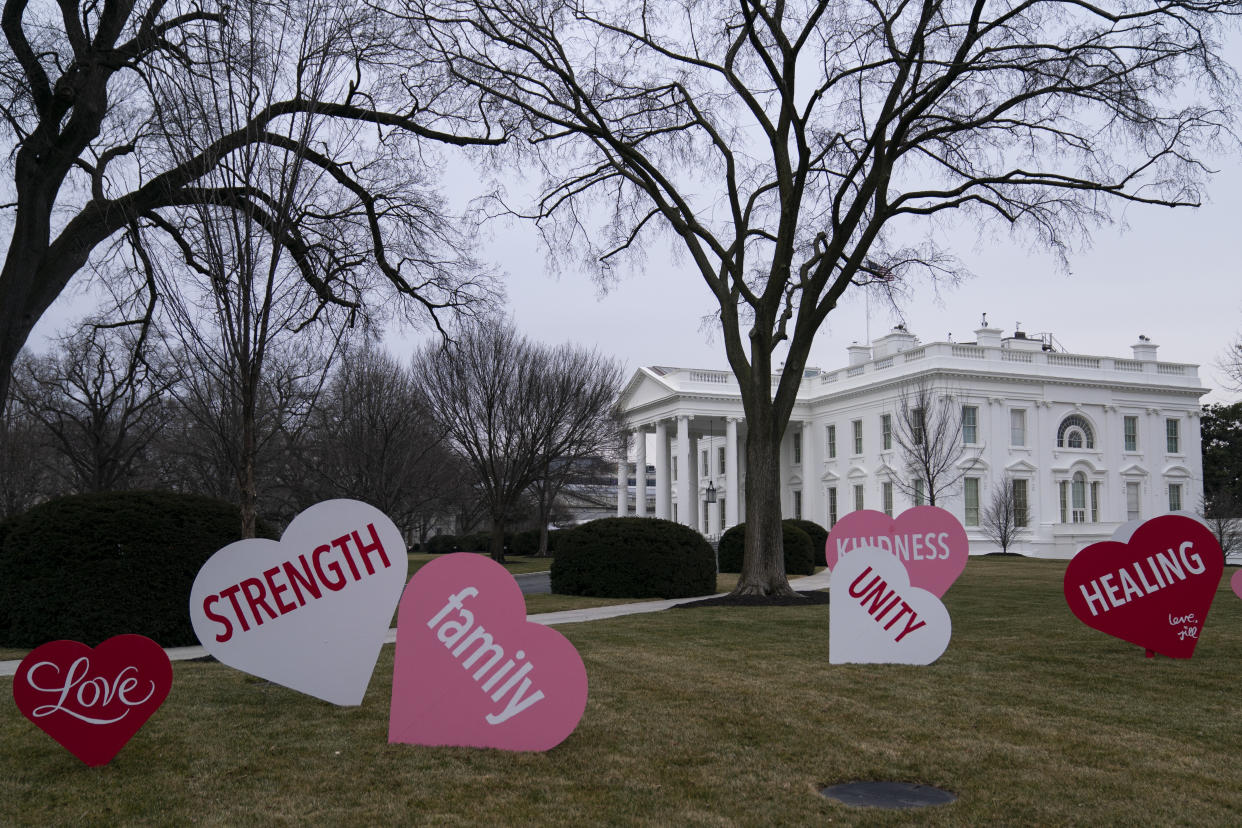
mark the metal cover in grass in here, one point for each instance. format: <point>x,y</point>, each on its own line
<point>888,795</point>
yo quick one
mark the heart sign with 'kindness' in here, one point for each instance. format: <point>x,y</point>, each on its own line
<point>1155,590</point>
<point>93,701</point>
<point>930,541</point>
<point>311,611</point>
<point>876,617</point>
<point>471,671</point>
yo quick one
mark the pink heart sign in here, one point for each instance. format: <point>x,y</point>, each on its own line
<point>930,541</point>
<point>1236,583</point>
<point>1155,590</point>
<point>470,670</point>
<point>311,611</point>
<point>93,701</point>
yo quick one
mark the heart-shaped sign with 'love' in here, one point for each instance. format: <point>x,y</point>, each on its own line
<point>1155,590</point>
<point>876,617</point>
<point>471,671</point>
<point>93,700</point>
<point>930,541</point>
<point>311,611</point>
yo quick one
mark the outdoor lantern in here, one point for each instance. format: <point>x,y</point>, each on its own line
<point>710,496</point>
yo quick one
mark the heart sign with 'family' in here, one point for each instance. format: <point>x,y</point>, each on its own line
<point>930,541</point>
<point>93,701</point>
<point>471,671</point>
<point>1155,590</point>
<point>311,611</point>
<point>876,617</point>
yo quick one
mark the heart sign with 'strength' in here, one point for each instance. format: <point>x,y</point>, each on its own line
<point>93,700</point>
<point>876,617</point>
<point>930,541</point>
<point>471,671</point>
<point>311,611</point>
<point>1155,590</point>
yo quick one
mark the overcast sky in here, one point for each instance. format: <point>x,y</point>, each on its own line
<point>1173,275</point>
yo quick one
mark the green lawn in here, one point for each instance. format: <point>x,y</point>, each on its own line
<point>712,717</point>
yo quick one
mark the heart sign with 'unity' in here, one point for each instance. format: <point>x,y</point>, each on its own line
<point>876,617</point>
<point>930,541</point>
<point>471,671</point>
<point>1155,590</point>
<point>311,611</point>
<point>93,700</point>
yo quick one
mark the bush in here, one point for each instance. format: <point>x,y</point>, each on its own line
<point>799,557</point>
<point>442,544</point>
<point>527,542</point>
<point>633,557</point>
<point>818,536</point>
<point>88,567</point>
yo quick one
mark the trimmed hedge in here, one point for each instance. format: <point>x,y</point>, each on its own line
<point>818,536</point>
<point>88,567</point>
<point>799,557</point>
<point>527,542</point>
<point>442,544</point>
<point>633,557</point>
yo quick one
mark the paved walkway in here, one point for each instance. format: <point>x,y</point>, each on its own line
<point>811,582</point>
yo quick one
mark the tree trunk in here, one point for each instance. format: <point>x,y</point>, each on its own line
<point>498,540</point>
<point>763,565</point>
<point>246,478</point>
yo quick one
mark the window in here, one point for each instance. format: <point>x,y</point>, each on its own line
<point>858,498</point>
<point>916,426</point>
<point>1129,427</point>
<point>970,424</point>
<point>1171,436</point>
<point>832,506</point>
<point>797,504</point>
<point>886,430</point>
<point>720,519</point>
<point>1064,487</point>
<point>830,438</point>
<point>1175,497</point>
<point>1133,508</point>
<point>919,496</point>
<point>675,514</point>
<point>1021,504</point>
<point>858,437</point>
<point>1095,502</point>
<point>674,468</point>
<point>704,469</point>
<point>1075,432</point>
<point>797,447</point>
<point>720,459</point>
<point>1017,426</point>
<point>1078,498</point>
<point>703,512</point>
<point>971,517</point>
<point>886,490</point>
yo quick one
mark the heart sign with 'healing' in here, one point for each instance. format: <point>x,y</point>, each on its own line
<point>93,701</point>
<point>311,611</point>
<point>471,671</point>
<point>1155,590</point>
<point>930,541</point>
<point>876,617</point>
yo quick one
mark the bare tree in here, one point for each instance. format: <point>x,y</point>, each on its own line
<point>102,398</point>
<point>26,463</point>
<point>928,431</point>
<point>791,148</point>
<point>88,91</point>
<point>1223,515</point>
<point>513,409</point>
<point>1004,520</point>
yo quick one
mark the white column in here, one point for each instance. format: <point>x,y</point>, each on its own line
<point>812,488</point>
<point>640,473</point>
<point>622,489</point>
<point>685,489</point>
<point>663,505</point>
<point>732,476</point>
<point>695,476</point>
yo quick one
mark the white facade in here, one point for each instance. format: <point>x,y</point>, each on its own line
<point>1097,440</point>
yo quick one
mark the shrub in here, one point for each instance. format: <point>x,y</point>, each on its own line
<point>633,557</point>
<point>475,542</point>
<point>88,567</point>
<point>527,542</point>
<point>442,544</point>
<point>818,536</point>
<point>799,558</point>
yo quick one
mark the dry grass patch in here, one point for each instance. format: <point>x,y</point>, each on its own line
<point>712,716</point>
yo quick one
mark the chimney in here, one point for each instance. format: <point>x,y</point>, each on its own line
<point>894,342</point>
<point>859,354</point>
<point>1144,349</point>
<point>988,337</point>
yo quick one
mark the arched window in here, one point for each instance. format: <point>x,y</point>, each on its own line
<point>1075,432</point>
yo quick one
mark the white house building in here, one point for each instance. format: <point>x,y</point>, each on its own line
<point>1090,441</point>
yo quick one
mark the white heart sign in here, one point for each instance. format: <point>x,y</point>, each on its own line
<point>311,611</point>
<point>876,617</point>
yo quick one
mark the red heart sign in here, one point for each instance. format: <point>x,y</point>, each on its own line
<point>1155,590</point>
<point>93,701</point>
